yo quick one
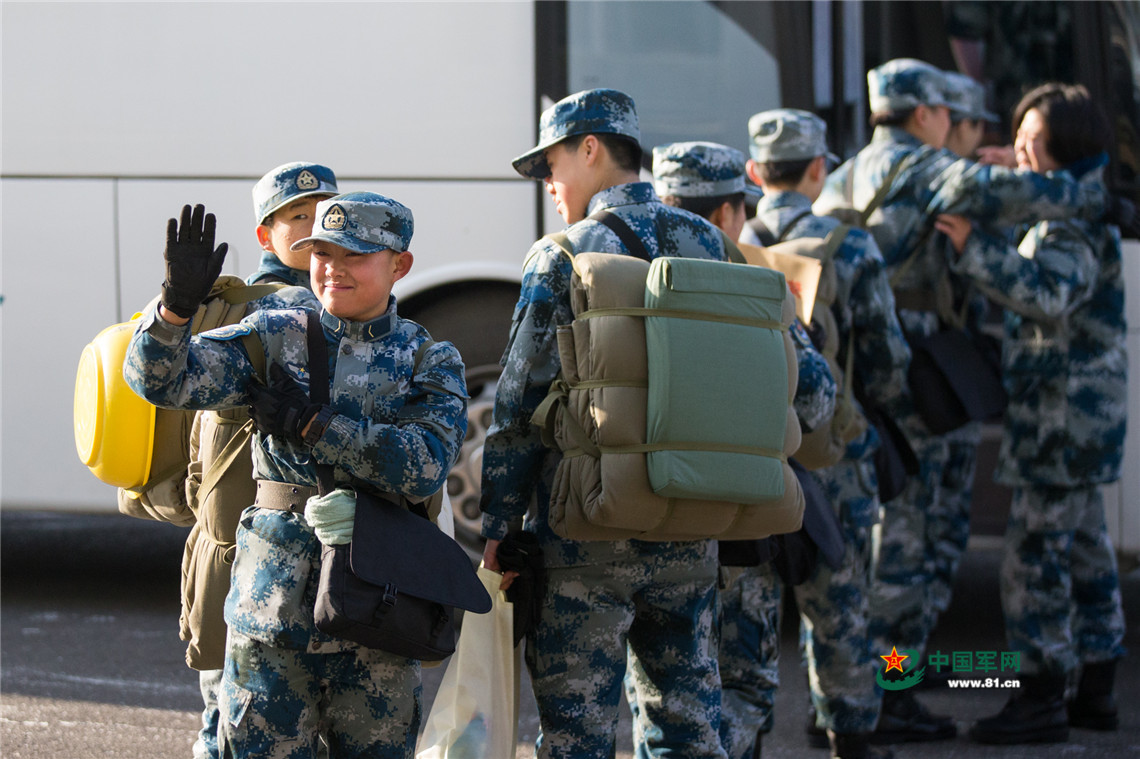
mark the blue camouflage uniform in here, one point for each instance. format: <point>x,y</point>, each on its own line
<point>834,604</point>
<point>393,430</point>
<point>749,600</point>
<point>1065,368</point>
<point>278,187</point>
<point>931,181</point>
<point>657,597</point>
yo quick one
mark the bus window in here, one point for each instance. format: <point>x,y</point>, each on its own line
<point>694,72</point>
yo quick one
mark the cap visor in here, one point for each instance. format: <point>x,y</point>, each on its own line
<point>532,164</point>
<point>341,239</point>
<point>327,193</point>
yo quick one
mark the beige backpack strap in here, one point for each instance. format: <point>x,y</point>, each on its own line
<point>249,293</point>
<point>733,252</point>
<point>235,447</point>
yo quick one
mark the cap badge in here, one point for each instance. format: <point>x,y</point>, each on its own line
<point>334,218</point>
<point>306,181</point>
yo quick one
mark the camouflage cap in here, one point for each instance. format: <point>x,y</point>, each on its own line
<point>587,112</point>
<point>903,84</point>
<point>966,98</point>
<point>788,134</point>
<point>697,170</point>
<point>288,182</point>
<point>362,221</point>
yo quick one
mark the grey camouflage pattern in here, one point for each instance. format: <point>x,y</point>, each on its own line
<point>289,182</point>
<point>374,710</point>
<point>787,134</point>
<point>655,612</point>
<point>697,170</point>
<point>904,83</point>
<point>1060,587</point>
<point>516,465</point>
<point>966,98</point>
<point>362,221</point>
<point>599,111</point>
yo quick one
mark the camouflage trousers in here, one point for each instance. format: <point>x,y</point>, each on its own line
<point>749,655</point>
<point>274,702</point>
<point>1060,590</point>
<point>660,612</point>
<point>948,523</point>
<point>833,616</point>
<point>206,745</point>
<point>901,604</point>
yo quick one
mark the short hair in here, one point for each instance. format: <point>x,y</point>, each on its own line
<point>891,118</point>
<point>784,172</point>
<point>1077,127</point>
<point>704,205</point>
<point>625,151</point>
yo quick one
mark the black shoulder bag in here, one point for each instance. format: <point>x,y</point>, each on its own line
<point>396,585</point>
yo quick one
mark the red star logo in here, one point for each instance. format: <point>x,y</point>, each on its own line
<point>894,660</point>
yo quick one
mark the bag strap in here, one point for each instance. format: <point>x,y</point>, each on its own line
<point>767,239</point>
<point>319,385</point>
<point>620,228</point>
<point>236,295</point>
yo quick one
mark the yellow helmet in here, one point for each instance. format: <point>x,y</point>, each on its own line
<point>114,427</point>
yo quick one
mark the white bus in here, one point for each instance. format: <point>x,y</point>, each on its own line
<point>116,114</point>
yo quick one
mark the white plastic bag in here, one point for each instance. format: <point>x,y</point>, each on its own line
<point>475,712</point>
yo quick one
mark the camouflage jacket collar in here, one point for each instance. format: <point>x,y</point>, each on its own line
<point>365,332</point>
<point>271,269</point>
<point>783,199</point>
<point>896,135</point>
<point>634,193</point>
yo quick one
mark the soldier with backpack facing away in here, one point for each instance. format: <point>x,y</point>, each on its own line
<point>218,484</point>
<point>708,179</point>
<point>657,597</point>
<point>790,162</point>
<point>393,424</point>
<point>907,160</point>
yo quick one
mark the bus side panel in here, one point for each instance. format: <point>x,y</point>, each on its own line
<point>233,89</point>
<point>59,291</point>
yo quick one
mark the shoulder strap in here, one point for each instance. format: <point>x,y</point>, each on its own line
<point>767,239</point>
<point>883,191</point>
<point>235,295</point>
<point>832,242</point>
<point>620,228</point>
<point>319,385</point>
<point>792,223</point>
<point>732,251</point>
<point>256,352</point>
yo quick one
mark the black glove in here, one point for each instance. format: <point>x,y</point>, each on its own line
<point>282,409</point>
<point>1122,212</point>
<point>519,552</point>
<point>192,263</point>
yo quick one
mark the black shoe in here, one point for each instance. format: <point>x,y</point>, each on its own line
<point>856,746</point>
<point>1094,707</point>
<point>1034,714</point>
<point>816,735</point>
<point>904,719</point>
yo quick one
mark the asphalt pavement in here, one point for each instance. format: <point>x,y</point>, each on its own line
<point>91,665</point>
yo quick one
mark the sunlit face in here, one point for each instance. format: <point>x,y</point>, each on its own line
<point>568,182</point>
<point>355,286</point>
<point>1030,143</point>
<point>289,224</point>
<point>939,126</point>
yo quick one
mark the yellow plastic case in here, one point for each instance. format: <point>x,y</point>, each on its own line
<point>110,419</point>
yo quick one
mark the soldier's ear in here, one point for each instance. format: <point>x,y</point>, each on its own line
<point>263,238</point>
<point>753,171</point>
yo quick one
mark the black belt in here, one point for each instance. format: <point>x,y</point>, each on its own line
<point>283,496</point>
